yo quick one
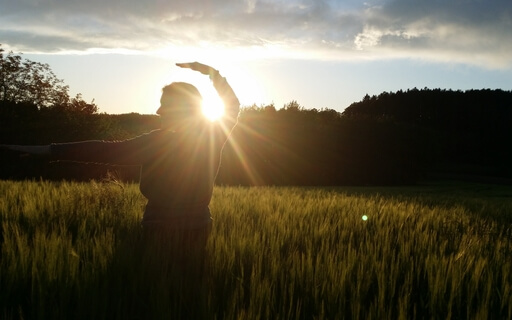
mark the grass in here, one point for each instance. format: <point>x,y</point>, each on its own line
<point>76,250</point>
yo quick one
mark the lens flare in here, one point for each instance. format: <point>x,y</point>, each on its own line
<point>365,217</point>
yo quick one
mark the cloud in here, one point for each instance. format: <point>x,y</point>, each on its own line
<point>467,31</point>
<point>470,31</point>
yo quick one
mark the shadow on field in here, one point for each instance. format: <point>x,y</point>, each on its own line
<point>157,275</point>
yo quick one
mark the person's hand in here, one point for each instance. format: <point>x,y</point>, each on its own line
<point>199,67</point>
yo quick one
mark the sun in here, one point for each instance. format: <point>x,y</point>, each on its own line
<point>213,107</point>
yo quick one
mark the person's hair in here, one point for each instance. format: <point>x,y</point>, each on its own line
<point>180,97</point>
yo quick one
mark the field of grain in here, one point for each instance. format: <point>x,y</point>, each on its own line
<point>444,251</point>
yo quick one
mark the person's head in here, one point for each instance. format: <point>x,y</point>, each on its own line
<point>180,104</point>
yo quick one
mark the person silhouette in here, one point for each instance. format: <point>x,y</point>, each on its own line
<point>179,162</point>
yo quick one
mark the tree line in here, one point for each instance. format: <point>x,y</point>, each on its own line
<point>393,138</point>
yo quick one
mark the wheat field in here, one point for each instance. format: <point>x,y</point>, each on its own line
<point>76,250</point>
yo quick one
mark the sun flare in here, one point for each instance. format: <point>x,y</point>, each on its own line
<point>213,107</point>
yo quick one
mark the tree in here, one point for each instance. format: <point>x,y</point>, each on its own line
<point>76,105</point>
<point>26,81</point>
<point>23,80</point>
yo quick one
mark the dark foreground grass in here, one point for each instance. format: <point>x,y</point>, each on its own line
<point>76,251</point>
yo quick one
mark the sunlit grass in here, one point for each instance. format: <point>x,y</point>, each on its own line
<point>74,250</point>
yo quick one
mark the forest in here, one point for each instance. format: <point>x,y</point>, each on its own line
<point>395,138</point>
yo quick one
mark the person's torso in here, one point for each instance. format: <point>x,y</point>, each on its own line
<point>181,170</point>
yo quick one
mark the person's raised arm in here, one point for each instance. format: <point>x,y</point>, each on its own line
<point>226,93</point>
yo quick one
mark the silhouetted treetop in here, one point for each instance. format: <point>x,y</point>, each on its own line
<point>438,108</point>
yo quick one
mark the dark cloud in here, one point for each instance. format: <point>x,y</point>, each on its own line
<point>469,31</point>
<point>454,11</point>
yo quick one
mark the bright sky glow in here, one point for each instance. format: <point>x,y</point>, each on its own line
<point>323,54</point>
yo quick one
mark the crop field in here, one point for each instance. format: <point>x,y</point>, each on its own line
<point>443,251</point>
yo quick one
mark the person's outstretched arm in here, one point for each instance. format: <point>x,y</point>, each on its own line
<point>226,93</point>
<point>43,150</point>
<point>127,152</point>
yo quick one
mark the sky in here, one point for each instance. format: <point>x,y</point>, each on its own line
<point>319,53</point>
